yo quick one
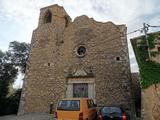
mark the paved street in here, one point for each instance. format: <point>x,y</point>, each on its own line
<point>28,117</point>
<point>36,116</point>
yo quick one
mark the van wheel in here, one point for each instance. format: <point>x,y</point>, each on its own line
<point>95,117</point>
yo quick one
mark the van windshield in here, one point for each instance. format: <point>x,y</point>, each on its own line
<point>69,105</point>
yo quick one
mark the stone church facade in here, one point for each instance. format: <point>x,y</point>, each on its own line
<point>80,58</point>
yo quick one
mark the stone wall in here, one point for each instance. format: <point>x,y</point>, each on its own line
<point>54,54</point>
<point>151,102</point>
<point>137,92</point>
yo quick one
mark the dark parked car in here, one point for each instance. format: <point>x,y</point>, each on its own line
<point>112,113</point>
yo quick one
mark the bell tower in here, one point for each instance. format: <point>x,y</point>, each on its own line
<point>54,15</point>
<point>46,42</point>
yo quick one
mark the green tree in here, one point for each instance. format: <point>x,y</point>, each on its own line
<point>18,54</point>
<point>10,62</point>
<point>12,102</point>
<point>8,73</point>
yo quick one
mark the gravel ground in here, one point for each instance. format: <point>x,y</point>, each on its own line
<point>37,116</point>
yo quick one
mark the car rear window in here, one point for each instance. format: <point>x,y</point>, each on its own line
<point>111,110</point>
<point>69,105</point>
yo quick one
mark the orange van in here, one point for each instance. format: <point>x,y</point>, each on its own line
<point>76,109</point>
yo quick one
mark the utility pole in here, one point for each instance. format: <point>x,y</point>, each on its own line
<point>145,28</point>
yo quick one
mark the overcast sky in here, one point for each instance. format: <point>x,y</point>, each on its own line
<point>18,18</point>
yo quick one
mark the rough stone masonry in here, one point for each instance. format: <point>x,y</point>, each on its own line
<point>80,58</point>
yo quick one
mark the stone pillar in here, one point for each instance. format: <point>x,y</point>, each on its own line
<point>69,92</point>
<point>91,91</point>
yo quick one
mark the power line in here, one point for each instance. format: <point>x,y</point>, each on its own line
<point>140,30</point>
<point>152,25</point>
<point>145,30</point>
<point>146,27</point>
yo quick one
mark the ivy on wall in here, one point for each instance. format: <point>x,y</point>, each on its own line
<point>149,70</point>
